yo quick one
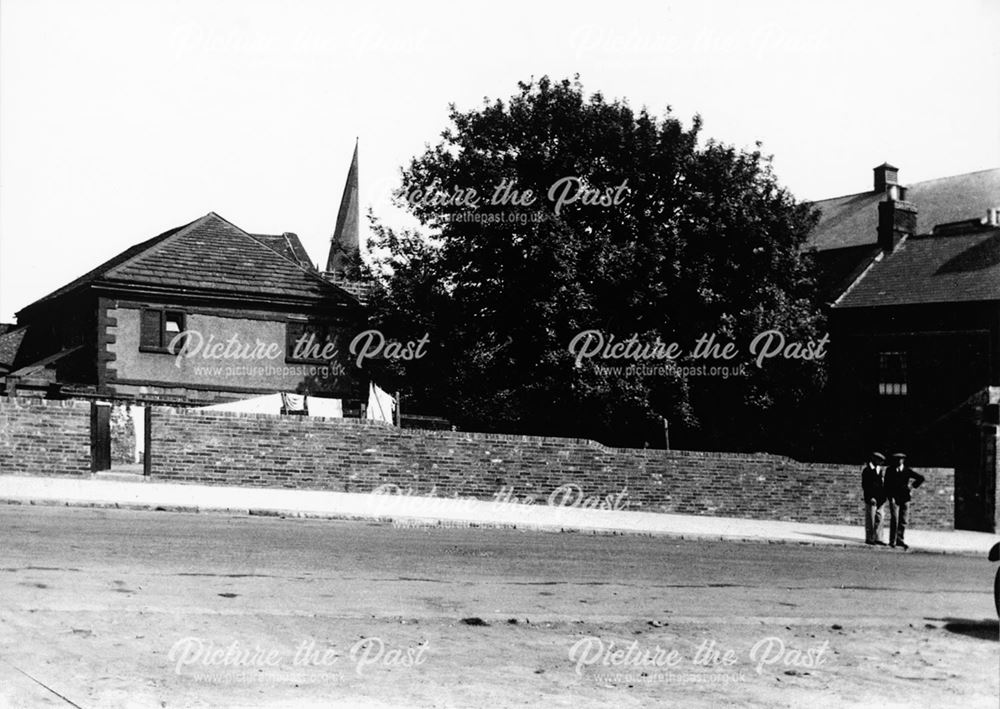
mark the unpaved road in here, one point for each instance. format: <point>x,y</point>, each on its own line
<point>111,608</point>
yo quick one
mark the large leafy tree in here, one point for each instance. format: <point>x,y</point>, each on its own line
<point>703,239</point>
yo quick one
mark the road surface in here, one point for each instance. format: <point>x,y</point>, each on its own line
<point>109,608</point>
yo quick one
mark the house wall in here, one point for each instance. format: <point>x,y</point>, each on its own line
<point>196,446</point>
<point>43,437</point>
<point>209,371</point>
<point>953,353</point>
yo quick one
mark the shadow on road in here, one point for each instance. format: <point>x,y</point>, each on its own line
<point>982,629</point>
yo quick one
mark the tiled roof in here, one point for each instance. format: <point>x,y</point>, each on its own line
<point>90,276</point>
<point>839,268</point>
<point>289,246</point>
<point>852,220</point>
<point>211,255</point>
<point>44,364</point>
<point>949,268</point>
<point>10,343</point>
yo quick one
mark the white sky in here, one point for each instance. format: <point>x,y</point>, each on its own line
<point>119,120</point>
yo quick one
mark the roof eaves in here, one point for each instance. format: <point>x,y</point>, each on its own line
<point>114,262</point>
<point>46,361</point>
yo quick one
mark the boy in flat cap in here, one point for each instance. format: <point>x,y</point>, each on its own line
<point>873,490</point>
<point>897,488</point>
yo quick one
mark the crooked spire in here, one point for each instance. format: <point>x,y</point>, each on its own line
<point>345,252</point>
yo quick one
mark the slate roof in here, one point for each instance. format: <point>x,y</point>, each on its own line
<point>211,255</point>
<point>852,220</point>
<point>92,275</point>
<point>10,343</point>
<point>289,246</point>
<point>935,268</point>
<point>45,364</point>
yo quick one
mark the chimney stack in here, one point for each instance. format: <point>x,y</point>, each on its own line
<point>897,218</point>
<point>896,221</point>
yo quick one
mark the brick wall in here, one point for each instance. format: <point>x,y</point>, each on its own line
<point>41,437</point>
<point>357,456</point>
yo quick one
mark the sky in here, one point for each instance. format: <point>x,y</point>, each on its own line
<point>122,119</point>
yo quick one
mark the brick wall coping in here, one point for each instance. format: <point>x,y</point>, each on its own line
<point>499,437</point>
<point>27,402</point>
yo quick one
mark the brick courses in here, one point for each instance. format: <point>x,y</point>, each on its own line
<point>39,437</point>
<point>42,437</point>
<point>259,450</point>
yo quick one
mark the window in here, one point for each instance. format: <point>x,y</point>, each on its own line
<point>892,374</point>
<point>159,328</point>
<point>311,343</point>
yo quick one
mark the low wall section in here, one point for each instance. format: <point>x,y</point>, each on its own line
<point>196,446</point>
<point>42,437</point>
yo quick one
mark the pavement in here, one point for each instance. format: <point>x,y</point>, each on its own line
<point>136,492</point>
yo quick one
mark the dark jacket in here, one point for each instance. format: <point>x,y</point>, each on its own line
<point>897,483</point>
<point>872,485</point>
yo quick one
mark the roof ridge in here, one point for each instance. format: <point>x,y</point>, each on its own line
<point>303,269</point>
<point>972,230</point>
<point>112,269</point>
<point>158,245</point>
<point>952,177</point>
<point>109,264</point>
<point>294,245</point>
<point>287,236</point>
<point>910,185</point>
<point>842,196</point>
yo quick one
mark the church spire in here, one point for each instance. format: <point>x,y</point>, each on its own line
<point>345,253</point>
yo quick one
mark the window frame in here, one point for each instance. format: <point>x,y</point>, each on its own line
<point>893,380</point>
<point>165,336</point>
<point>328,332</point>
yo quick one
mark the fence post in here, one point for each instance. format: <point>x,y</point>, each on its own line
<point>147,439</point>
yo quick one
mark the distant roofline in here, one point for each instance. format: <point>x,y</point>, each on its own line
<point>972,230</point>
<point>98,274</point>
<point>908,186</point>
<point>91,275</point>
<point>918,304</point>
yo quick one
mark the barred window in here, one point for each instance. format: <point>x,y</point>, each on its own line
<point>892,374</point>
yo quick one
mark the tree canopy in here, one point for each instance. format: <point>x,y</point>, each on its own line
<point>668,237</point>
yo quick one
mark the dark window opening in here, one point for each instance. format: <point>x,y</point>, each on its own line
<point>311,343</point>
<point>892,374</point>
<point>159,330</point>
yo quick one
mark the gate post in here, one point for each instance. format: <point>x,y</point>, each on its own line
<point>100,436</point>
